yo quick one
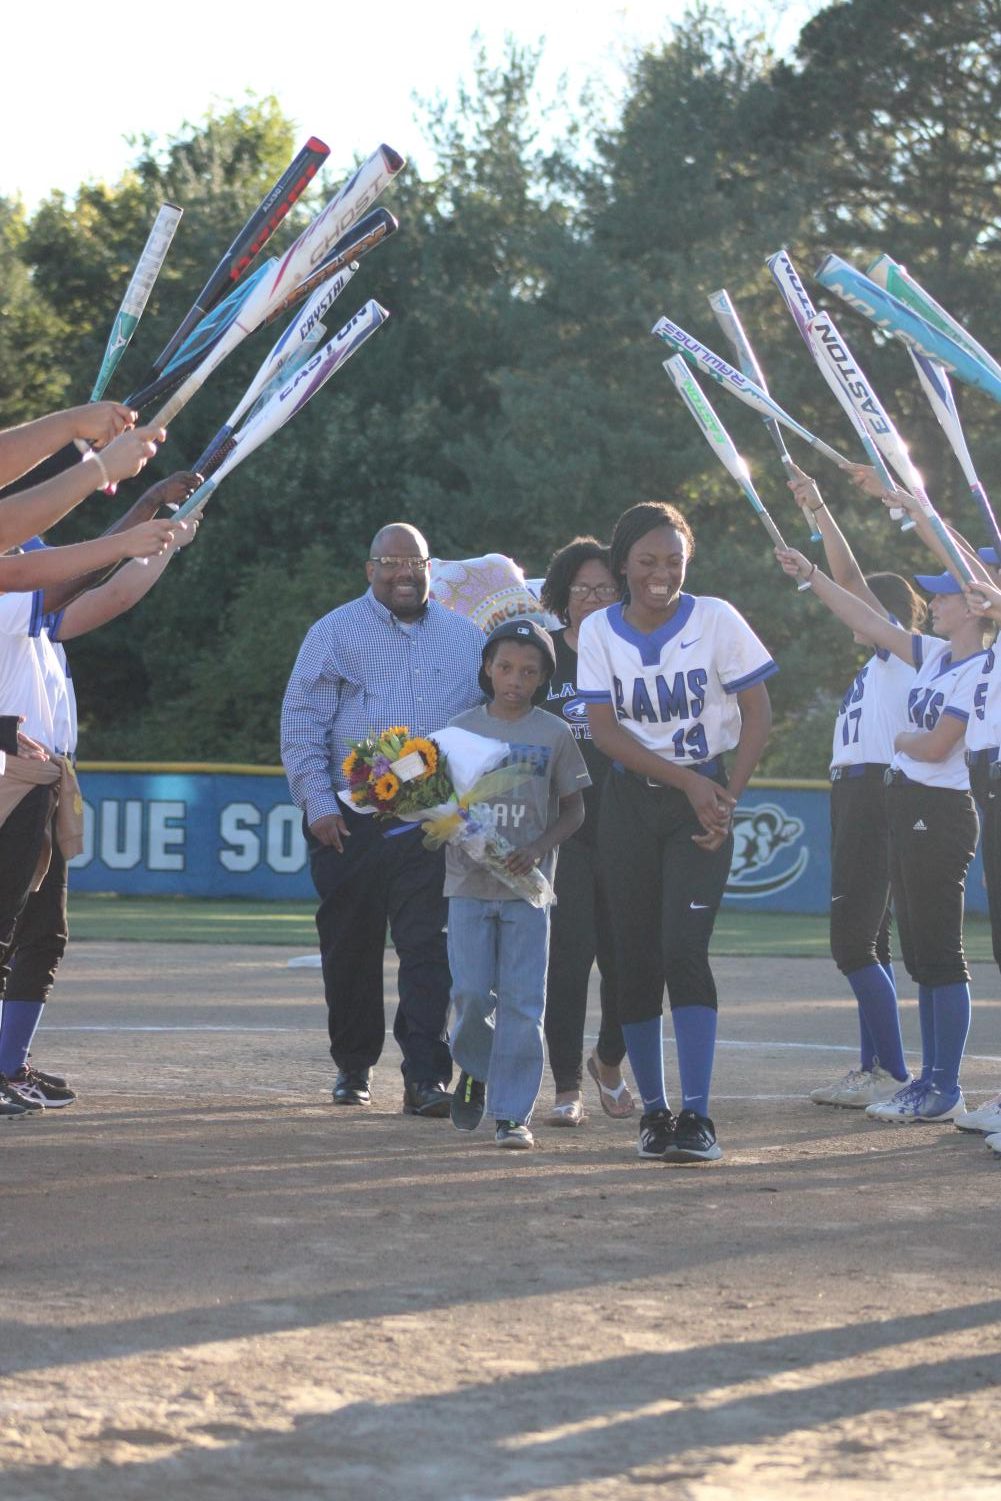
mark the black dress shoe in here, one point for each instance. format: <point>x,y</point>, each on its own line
<point>428,1099</point>
<point>351,1087</point>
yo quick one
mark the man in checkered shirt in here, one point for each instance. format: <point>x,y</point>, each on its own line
<point>392,656</point>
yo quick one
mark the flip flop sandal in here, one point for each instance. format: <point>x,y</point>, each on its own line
<point>569,1114</point>
<point>618,1102</point>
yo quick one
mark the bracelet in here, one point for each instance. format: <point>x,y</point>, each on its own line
<point>96,457</point>
<point>809,577</point>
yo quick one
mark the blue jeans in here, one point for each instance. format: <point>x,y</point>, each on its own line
<point>498,953</point>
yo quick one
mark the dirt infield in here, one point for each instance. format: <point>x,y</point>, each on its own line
<point>215,1284</point>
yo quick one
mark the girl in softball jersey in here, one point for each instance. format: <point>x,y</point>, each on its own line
<point>672,681</point>
<point>872,713</point>
<point>932,822</point>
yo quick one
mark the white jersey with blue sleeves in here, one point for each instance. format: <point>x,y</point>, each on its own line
<point>941,686</point>
<point>675,689</point>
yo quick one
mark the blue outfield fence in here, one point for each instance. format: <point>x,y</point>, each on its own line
<point>232,831</point>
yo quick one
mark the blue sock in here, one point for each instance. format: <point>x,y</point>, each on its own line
<point>877,1001</point>
<point>695,1036</point>
<point>18,1021</point>
<point>867,1048</point>
<point>926,1020</point>
<point>951,1011</point>
<point>645,1046</point>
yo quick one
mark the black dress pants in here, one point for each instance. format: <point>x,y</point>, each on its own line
<point>380,879</point>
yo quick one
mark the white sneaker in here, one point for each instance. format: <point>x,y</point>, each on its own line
<point>994,1142</point>
<point>986,1118</point>
<point>861,1087</point>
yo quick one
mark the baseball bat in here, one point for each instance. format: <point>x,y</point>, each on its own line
<point>800,306</point>
<point>357,242</point>
<point>292,338</point>
<point>729,321</point>
<point>888,312</point>
<point>308,252</point>
<point>291,397</point>
<point>751,394</point>
<point>255,233</point>
<point>938,389</point>
<point>133,304</point>
<point>832,354</point>
<point>719,440</point>
<point>897,280</point>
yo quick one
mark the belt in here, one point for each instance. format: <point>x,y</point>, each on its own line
<point>986,757</point>
<point>703,768</point>
<point>898,779</point>
<point>871,770</point>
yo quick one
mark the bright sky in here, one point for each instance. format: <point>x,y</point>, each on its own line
<point>79,78</point>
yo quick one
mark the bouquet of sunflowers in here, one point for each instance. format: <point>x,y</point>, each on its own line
<point>445,784</point>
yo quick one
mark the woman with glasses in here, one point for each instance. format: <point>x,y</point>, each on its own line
<point>577,584</point>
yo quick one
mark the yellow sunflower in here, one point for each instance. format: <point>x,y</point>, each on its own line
<point>386,787</point>
<point>349,763</point>
<point>396,729</point>
<point>426,749</point>
<point>359,794</point>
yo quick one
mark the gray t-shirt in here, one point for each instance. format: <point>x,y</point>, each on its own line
<point>543,747</point>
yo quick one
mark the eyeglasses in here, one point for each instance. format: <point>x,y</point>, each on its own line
<point>600,591</point>
<point>412,565</point>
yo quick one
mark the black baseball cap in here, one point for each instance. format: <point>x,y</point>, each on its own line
<point>529,633</point>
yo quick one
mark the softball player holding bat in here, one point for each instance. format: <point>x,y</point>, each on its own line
<point>872,713</point>
<point>672,681</point>
<point>932,822</point>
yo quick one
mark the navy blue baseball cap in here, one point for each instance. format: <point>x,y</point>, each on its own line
<point>938,583</point>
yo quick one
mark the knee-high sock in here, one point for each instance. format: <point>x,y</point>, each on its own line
<point>695,1035</point>
<point>926,1021</point>
<point>866,1045</point>
<point>951,1012</point>
<point>645,1046</point>
<point>18,1021</point>
<point>877,1001</point>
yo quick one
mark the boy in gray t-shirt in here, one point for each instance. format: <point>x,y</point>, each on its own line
<point>498,944</point>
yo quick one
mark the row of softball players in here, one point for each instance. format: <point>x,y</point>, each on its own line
<point>915,742</point>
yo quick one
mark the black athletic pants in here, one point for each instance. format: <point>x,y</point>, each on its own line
<point>580,931</point>
<point>860,872</point>
<point>378,880</point>
<point>987,791</point>
<point>40,936</point>
<point>21,839</point>
<point>663,895</point>
<point>933,837</point>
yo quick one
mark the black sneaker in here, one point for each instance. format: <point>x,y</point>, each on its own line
<point>468,1100</point>
<point>9,1107</point>
<point>13,1096</point>
<point>41,1089</point>
<point>694,1140</point>
<point>55,1079</point>
<point>656,1133</point>
<point>514,1135</point>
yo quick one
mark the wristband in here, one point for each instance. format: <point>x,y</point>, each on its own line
<point>809,578</point>
<point>96,457</point>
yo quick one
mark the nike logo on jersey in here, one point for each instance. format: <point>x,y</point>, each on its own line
<point>698,906</point>
<point>686,644</point>
<point>921,826</point>
<point>838,898</point>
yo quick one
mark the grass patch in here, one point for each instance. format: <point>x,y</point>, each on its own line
<point>148,919</point>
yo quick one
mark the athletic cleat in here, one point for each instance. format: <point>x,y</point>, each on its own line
<point>656,1133</point>
<point>940,1105</point>
<point>985,1119</point>
<point>55,1079</point>
<point>514,1135</point>
<point>468,1099</point>
<point>860,1087</point>
<point>694,1140</point>
<point>994,1142</point>
<point>13,1096</point>
<point>900,1107</point>
<point>40,1089</point>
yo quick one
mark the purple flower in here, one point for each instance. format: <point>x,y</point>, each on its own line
<point>380,766</point>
